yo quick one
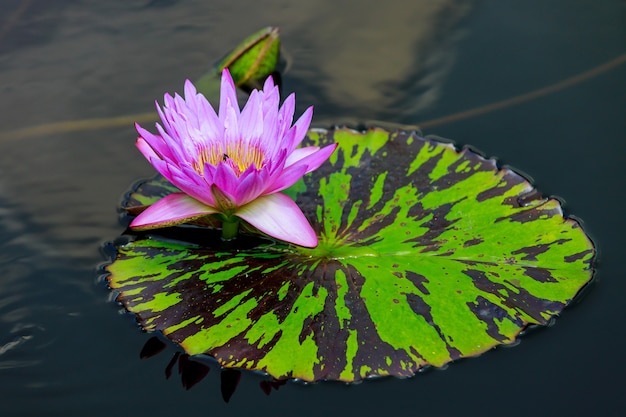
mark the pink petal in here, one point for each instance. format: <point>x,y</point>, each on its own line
<point>162,116</point>
<point>271,98</point>
<point>163,168</point>
<point>301,127</point>
<point>269,84</point>
<point>251,185</point>
<point>210,125</point>
<point>186,179</point>
<point>310,159</point>
<point>270,101</point>
<point>226,180</point>
<point>277,163</point>
<point>171,210</point>
<point>228,94</point>
<point>287,178</point>
<point>251,119</point>
<point>189,181</point>
<point>271,141</point>
<point>285,114</point>
<point>169,105</point>
<point>146,149</point>
<point>173,143</point>
<point>224,202</point>
<point>314,160</point>
<point>155,142</point>
<point>179,104</point>
<point>278,216</point>
<point>230,117</point>
<point>190,96</point>
<point>300,153</point>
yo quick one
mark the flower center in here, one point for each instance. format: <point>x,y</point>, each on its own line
<point>238,155</point>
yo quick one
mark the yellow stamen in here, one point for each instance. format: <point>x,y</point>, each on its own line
<point>238,155</point>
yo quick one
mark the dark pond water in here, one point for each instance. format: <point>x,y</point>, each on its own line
<point>64,347</point>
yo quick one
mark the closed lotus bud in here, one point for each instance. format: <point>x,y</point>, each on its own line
<point>252,60</point>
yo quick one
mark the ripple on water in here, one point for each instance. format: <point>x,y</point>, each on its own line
<point>24,296</point>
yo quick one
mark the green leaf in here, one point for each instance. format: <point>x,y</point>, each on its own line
<point>427,254</point>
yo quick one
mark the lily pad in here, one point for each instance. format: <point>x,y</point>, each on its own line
<point>427,254</point>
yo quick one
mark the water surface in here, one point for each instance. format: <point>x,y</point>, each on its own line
<point>64,347</point>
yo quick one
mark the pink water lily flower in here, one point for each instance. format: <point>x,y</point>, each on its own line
<point>234,163</point>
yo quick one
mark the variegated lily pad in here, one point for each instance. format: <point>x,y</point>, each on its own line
<point>427,254</point>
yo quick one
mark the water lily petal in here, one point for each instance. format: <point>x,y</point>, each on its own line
<point>308,159</point>
<point>180,105</point>
<point>230,118</point>
<point>190,182</point>
<point>169,106</point>
<point>314,160</point>
<point>174,144</point>
<point>268,85</point>
<point>251,119</point>
<point>301,128</point>
<point>210,124</point>
<point>186,179</point>
<point>300,153</point>
<point>288,177</point>
<point>252,183</point>
<point>163,168</point>
<point>226,180</point>
<point>228,94</point>
<point>272,137</point>
<point>224,202</point>
<point>171,210</point>
<point>271,97</point>
<point>146,149</point>
<point>162,116</point>
<point>156,144</point>
<point>278,216</point>
<point>285,114</point>
<point>191,97</point>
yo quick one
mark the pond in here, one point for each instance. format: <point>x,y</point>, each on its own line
<point>538,84</point>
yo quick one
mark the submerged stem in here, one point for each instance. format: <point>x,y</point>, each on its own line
<point>230,227</point>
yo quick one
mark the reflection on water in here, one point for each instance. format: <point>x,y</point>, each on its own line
<point>373,54</point>
<point>192,370</point>
<point>61,341</point>
<point>89,57</point>
<point>24,307</point>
